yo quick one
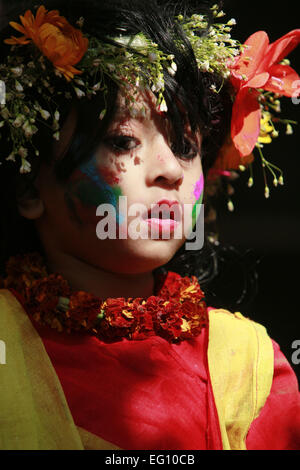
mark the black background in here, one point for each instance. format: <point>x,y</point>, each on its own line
<point>271,227</point>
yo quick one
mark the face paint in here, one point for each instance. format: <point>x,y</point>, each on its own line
<point>198,193</point>
<point>160,158</point>
<point>137,161</point>
<point>91,186</point>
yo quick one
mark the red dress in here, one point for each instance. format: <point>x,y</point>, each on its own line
<point>160,393</point>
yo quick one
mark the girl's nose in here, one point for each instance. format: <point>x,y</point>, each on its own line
<point>163,167</point>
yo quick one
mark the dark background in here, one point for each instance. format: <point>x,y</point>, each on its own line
<point>271,227</point>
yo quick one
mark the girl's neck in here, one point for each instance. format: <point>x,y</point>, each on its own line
<point>86,277</point>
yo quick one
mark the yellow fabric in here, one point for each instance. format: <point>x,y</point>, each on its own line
<point>92,442</point>
<point>34,414</point>
<point>241,364</point>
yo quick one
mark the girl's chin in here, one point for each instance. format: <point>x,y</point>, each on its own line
<point>141,257</point>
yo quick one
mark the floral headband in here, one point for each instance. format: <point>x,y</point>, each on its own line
<point>257,70</point>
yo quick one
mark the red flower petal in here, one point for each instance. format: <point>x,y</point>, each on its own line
<point>248,63</point>
<point>229,158</point>
<point>279,49</point>
<point>245,122</point>
<point>282,81</point>
<point>258,81</point>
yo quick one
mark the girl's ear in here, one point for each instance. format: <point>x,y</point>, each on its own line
<point>30,205</point>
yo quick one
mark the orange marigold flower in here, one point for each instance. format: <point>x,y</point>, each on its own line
<point>60,42</point>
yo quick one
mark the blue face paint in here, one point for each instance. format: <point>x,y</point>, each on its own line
<point>99,191</point>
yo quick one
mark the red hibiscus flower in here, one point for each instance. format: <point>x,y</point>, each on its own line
<point>258,67</point>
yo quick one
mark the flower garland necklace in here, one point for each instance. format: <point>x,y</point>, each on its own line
<point>178,311</point>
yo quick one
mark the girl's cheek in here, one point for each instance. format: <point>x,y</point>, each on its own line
<point>89,187</point>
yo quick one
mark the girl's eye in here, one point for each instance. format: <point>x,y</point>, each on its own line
<point>189,151</point>
<point>122,143</point>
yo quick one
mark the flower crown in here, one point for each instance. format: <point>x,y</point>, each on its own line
<point>257,70</point>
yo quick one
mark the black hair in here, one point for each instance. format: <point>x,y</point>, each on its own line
<point>206,110</point>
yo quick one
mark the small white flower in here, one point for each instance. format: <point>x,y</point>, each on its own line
<point>163,108</point>
<point>45,114</point>
<point>79,82</point>
<point>80,22</point>
<point>102,114</point>
<point>289,130</point>
<point>79,92</point>
<point>56,135</point>
<point>267,192</point>
<point>58,73</point>
<point>17,71</point>
<point>56,115</point>
<point>19,86</point>
<point>97,86</point>
<point>250,182</point>
<point>11,157</point>
<point>111,67</point>
<point>18,122</point>
<point>205,66</point>
<point>26,167</point>
<point>172,69</point>
<point>230,205</point>
<point>5,113</point>
<point>23,152</point>
<point>29,129</point>
<point>232,22</point>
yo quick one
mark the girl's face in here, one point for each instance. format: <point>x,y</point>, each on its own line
<point>133,169</point>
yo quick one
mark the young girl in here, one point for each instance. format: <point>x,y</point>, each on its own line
<point>113,115</point>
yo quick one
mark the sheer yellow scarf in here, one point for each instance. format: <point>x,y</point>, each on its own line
<point>34,414</point>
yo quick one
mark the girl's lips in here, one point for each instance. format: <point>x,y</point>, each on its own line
<point>162,226</point>
<point>164,210</point>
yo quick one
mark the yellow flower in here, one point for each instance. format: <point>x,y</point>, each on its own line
<point>60,42</point>
<point>266,129</point>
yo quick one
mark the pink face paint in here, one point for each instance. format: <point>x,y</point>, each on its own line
<point>198,187</point>
<point>109,176</point>
<point>120,166</point>
<point>160,158</point>
<point>198,193</point>
<point>137,161</point>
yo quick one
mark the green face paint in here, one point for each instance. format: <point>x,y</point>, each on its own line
<point>198,192</point>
